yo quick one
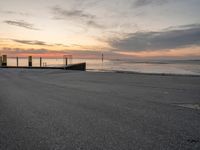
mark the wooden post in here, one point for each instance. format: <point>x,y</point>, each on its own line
<point>66,61</point>
<point>102,57</point>
<point>40,61</point>
<point>0,60</point>
<point>30,61</point>
<point>4,61</point>
<point>17,62</point>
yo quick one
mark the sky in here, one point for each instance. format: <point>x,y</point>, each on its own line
<point>87,28</point>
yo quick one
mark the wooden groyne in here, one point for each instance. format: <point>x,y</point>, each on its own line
<point>66,66</point>
<point>79,66</point>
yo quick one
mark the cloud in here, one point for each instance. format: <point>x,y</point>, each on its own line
<point>76,15</point>
<point>166,39</point>
<point>28,51</point>
<point>18,51</point>
<point>94,24</point>
<point>36,42</point>
<point>63,14</point>
<point>9,12</point>
<point>140,3</point>
<point>44,51</point>
<point>21,23</point>
<point>183,27</point>
<point>41,43</point>
<point>13,52</point>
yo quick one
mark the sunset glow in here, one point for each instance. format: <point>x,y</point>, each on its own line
<point>119,28</point>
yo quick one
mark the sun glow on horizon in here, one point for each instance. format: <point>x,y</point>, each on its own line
<point>122,29</point>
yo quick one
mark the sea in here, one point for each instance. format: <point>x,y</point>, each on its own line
<point>183,67</point>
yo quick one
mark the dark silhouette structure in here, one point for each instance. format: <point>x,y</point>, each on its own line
<point>67,66</point>
<point>4,60</point>
<point>30,62</point>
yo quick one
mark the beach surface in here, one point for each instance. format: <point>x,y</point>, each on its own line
<point>72,110</point>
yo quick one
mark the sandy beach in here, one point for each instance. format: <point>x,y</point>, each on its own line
<point>72,110</point>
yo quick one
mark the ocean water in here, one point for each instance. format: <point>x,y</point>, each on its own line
<point>191,67</point>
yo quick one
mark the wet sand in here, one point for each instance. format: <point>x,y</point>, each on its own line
<point>59,110</point>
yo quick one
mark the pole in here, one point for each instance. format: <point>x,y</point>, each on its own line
<point>30,61</point>
<point>0,61</point>
<point>17,62</point>
<point>40,61</point>
<point>4,62</point>
<point>102,57</point>
<point>66,61</point>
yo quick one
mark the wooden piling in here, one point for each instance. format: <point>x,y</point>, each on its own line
<point>0,60</point>
<point>40,61</point>
<point>102,57</point>
<point>66,61</point>
<point>17,61</point>
<point>30,64</point>
<point>4,61</point>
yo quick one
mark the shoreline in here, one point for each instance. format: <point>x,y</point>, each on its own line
<point>109,71</point>
<point>104,70</point>
<point>143,73</point>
